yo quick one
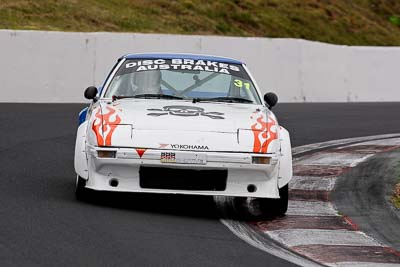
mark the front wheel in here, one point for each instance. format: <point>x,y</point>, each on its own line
<point>80,190</point>
<point>277,207</point>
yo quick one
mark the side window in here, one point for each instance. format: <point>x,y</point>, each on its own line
<point>122,85</point>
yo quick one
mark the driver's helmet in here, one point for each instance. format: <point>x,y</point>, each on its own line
<point>147,82</point>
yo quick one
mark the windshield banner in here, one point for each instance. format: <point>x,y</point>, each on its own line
<point>182,65</point>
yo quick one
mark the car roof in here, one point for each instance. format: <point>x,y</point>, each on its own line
<point>182,56</point>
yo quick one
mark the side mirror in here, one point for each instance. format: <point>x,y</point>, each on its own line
<point>90,92</point>
<point>271,99</point>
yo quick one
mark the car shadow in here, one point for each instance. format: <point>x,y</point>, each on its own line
<point>177,204</point>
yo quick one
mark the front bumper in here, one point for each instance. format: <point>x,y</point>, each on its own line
<point>242,175</point>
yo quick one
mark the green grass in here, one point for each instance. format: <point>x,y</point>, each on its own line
<point>356,22</point>
<point>396,202</point>
<point>396,196</point>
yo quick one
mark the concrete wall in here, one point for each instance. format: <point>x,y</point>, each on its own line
<point>40,66</point>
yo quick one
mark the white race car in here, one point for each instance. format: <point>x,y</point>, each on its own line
<point>183,124</point>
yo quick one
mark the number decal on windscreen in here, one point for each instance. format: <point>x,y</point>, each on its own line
<point>240,84</point>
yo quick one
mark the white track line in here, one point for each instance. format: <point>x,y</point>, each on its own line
<point>298,237</point>
<point>393,142</point>
<point>242,231</point>
<point>248,235</point>
<point>362,264</point>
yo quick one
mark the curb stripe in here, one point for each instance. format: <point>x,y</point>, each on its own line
<point>353,225</point>
<point>299,237</point>
<point>317,195</point>
<point>312,183</point>
<point>334,159</point>
<point>312,226</point>
<point>397,253</point>
<point>305,222</point>
<point>318,171</point>
<point>311,208</point>
<point>367,149</point>
<point>373,139</point>
<point>332,254</point>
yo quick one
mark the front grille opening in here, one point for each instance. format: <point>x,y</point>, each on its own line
<point>182,179</point>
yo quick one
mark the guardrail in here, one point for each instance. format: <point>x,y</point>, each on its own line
<point>39,66</point>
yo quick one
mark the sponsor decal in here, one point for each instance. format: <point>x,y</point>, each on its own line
<point>140,151</point>
<point>184,111</point>
<point>104,125</point>
<point>264,132</point>
<point>181,65</point>
<point>194,147</point>
<point>167,157</point>
<point>185,147</point>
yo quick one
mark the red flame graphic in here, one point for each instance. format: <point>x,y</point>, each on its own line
<point>103,126</point>
<point>263,133</point>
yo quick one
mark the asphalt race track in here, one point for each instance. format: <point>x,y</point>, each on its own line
<point>363,194</point>
<point>43,225</point>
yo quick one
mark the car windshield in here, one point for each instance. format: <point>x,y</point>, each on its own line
<point>199,80</point>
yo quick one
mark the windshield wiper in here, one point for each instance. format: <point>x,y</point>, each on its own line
<point>159,96</point>
<point>224,99</point>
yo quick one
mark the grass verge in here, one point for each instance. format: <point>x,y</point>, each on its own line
<point>361,22</point>
<point>396,196</point>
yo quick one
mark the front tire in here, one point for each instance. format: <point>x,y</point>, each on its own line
<point>80,190</point>
<point>277,207</point>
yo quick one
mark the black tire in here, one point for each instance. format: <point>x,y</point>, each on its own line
<point>275,207</point>
<point>80,190</point>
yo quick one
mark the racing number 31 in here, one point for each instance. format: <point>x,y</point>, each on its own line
<point>240,84</point>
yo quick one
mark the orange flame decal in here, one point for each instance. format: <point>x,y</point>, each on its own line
<point>96,127</point>
<point>103,126</point>
<point>264,133</point>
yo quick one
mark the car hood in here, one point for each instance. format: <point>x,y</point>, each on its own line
<point>177,124</point>
<point>184,115</point>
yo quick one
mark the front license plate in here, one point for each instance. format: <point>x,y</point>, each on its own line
<point>183,158</point>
